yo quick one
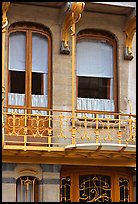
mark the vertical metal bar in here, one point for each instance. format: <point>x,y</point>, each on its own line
<point>21,193</point>
<point>130,127</point>
<point>73,80</point>
<point>3,87</point>
<point>14,117</point>
<point>33,192</point>
<point>25,129</point>
<point>96,130</point>
<point>119,130</point>
<point>49,128</point>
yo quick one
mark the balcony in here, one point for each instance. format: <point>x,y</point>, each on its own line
<point>59,133</point>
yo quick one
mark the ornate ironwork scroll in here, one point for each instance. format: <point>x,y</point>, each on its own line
<point>27,189</point>
<point>124,189</point>
<point>65,189</point>
<point>95,188</point>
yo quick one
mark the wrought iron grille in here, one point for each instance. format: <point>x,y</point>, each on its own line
<point>27,189</point>
<point>94,188</point>
<point>59,128</point>
<point>65,185</point>
<point>124,190</point>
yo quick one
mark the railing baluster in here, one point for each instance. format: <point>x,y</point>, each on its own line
<point>37,124</point>
<point>25,129</point>
<point>73,131</point>
<point>119,130</point>
<point>49,128</point>
<point>130,128</point>
<point>14,132</point>
<point>97,130</point>
<point>80,130</point>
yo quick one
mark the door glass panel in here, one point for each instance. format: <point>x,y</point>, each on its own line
<point>124,189</point>
<point>94,188</point>
<point>65,184</point>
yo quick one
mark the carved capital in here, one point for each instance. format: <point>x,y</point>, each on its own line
<point>129,33</point>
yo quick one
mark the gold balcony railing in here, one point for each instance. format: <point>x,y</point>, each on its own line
<point>57,130</point>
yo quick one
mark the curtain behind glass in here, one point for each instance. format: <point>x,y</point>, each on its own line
<point>17,51</point>
<point>40,65</point>
<point>95,104</point>
<point>39,53</point>
<point>94,58</point>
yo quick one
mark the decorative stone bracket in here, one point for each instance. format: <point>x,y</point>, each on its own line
<point>73,14</point>
<point>129,33</point>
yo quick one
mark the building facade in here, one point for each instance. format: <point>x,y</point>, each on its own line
<point>68,101</point>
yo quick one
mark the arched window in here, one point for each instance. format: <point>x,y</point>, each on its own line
<point>96,71</point>
<point>27,189</point>
<point>29,66</point>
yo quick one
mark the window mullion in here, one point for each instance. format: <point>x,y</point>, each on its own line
<point>28,69</point>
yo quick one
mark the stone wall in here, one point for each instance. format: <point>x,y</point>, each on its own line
<point>61,63</point>
<point>47,175</point>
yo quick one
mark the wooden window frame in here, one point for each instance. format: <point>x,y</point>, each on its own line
<point>29,28</point>
<point>109,38</point>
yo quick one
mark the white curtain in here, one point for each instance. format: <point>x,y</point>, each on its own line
<point>40,101</point>
<point>17,50</point>
<point>19,100</point>
<point>16,99</point>
<point>95,104</point>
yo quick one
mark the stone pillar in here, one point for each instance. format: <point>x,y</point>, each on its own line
<point>134,187</point>
<point>50,183</point>
<point>8,183</point>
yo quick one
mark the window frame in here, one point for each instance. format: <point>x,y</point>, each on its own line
<point>102,35</point>
<point>29,28</point>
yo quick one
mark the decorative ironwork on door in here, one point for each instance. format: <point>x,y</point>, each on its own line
<point>94,188</point>
<point>65,189</point>
<point>81,187</point>
<point>124,190</point>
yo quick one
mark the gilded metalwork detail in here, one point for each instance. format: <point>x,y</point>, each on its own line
<point>5,6</point>
<point>65,189</point>
<point>71,17</point>
<point>26,189</point>
<point>95,188</point>
<point>58,129</point>
<point>129,33</point>
<point>124,190</point>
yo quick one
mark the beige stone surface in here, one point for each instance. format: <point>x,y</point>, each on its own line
<point>8,192</point>
<point>51,193</point>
